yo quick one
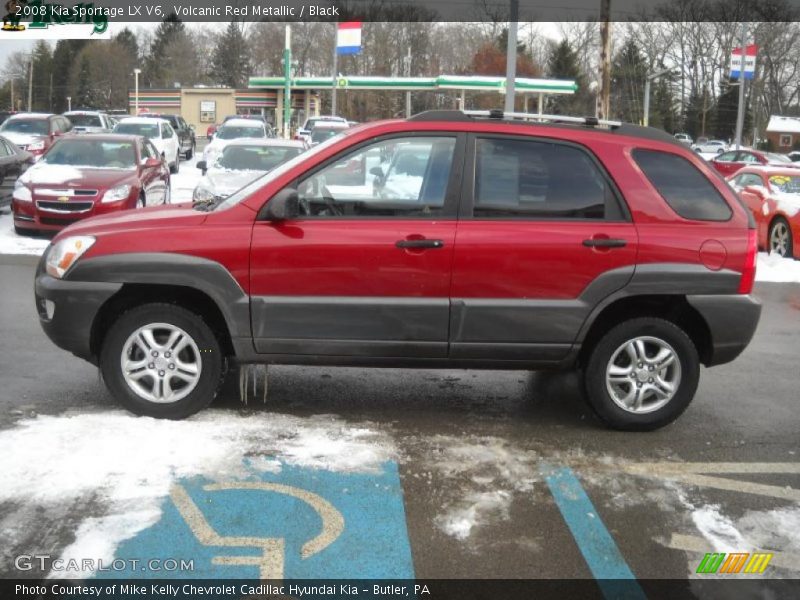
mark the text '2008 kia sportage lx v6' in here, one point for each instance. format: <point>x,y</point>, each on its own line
<point>450,239</point>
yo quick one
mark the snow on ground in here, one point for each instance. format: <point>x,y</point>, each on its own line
<point>485,474</point>
<point>126,465</point>
<point>772,267</point>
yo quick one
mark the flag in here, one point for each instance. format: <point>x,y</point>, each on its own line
<point>348,37</point>
<point>749,61</point>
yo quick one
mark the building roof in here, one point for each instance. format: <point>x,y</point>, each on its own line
<point>783,124</point>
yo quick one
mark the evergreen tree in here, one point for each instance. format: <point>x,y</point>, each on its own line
<point>662,107</point>
<point>727,108</point>
<point>628,76</point>
<point>84,97</point>
<point>127,39</point>
<point>230,63</point>
<point>563,64</point>
<point>64,61</point>
<point>42,71</point>
<point>155,68</point>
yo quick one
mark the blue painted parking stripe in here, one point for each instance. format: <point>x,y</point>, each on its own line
<point>605,561</point>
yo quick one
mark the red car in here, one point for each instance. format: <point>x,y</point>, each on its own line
<point>83,176</point>
<point>730,162</point>
<point>773,196</point>
<point>470,240</point>
<point>35,132</point>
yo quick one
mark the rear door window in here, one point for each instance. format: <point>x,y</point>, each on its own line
<point>528,179</point>
<point>683,186</point>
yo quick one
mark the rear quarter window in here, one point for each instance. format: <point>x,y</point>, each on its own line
<point>683,186</point>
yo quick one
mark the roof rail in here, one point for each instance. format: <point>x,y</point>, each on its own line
<point>499,114</point>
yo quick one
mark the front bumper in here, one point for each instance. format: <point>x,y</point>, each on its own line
<point>67,310</point>
<point>28,215</point>
<point>732,321</point>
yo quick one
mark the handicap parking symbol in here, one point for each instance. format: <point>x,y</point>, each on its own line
<point>298,523</point>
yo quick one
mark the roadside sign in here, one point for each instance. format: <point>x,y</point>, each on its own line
<point>749,61</point>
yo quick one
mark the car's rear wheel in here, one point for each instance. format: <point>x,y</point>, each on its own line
<point>642,374</point>
<point>177,164</point>
<point>189,153</point>
<point>161,360</point>
<point>780,238</point>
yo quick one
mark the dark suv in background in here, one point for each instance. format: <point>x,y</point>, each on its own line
<point>451,239</point>
<point>186,138</point>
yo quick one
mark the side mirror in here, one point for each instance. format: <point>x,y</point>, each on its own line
<point>151,163</point>
<point>282,206</point>
<point>377,171</point>
<point>201,164</point>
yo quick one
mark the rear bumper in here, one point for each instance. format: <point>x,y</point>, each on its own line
<point>67,310</point>
<point>732,321</point>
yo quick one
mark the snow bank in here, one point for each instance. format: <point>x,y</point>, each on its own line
<point>11,243</point>
<point>127,465</point>
<point>772,267</point>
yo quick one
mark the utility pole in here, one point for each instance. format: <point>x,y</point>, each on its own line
<point>287,83</point>
<point>740,112</point>
<point>648,81</point>
<point>30,86</point>
<point>511,55</point>
<point>604,98</point>
<point>408,74</point>
<point>335,74</point>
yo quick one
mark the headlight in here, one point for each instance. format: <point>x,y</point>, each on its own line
<point>203,193</point>
<point>35,146</point>
<point>22,193</point>
<point>116,194</point>
<point>65,252</point>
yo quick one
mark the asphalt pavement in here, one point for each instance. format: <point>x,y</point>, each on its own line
<point>476,453</point>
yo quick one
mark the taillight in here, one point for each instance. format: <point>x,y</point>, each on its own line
<point>749,272</point>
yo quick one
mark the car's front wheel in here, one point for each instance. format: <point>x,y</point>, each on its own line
<point>177,164</point>
<point>161,360</point>
<point>780,238</point>
<point>642,374</point>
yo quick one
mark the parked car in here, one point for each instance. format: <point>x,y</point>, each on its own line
<point>14,161</point>
<point>711,146</point>
<point>4,114</point>
<point>772,194</point>
<point>684,138</point>
<point>34,132</point>
<point>185,133</point>
<point>324,131</point>
<point>794,156</point>
<point>730,162</point>
<point>89,121</point>
<point>84,176</point>
<point>239,163</point>
<point>304,133</point>
<point>159,132</point>
<point>230,130</point>
<point>608,248</point>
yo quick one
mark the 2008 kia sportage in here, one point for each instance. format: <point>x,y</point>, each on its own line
<point>450,239</point>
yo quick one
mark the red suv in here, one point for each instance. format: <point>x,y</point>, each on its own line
<point>470,240</point>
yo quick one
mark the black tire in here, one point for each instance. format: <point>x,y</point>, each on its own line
<point>789,249</point>
<point>189,153</point>
<point>174,167</point>
<point>210,359</point>
<point>597,391</point>
<point>23,231</point>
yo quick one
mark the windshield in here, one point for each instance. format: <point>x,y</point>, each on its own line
<point>31,126</point>
<point>231,132</point>
<point>322,134</point>
<point>92,153</point>
<point>257,184</point>
<point>772,157</point>
<point>148,130</point>
<point>255,158</point>
<point>85,120</point>
<point>786,184</point>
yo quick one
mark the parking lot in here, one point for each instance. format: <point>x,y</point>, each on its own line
<point>395,473</point>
